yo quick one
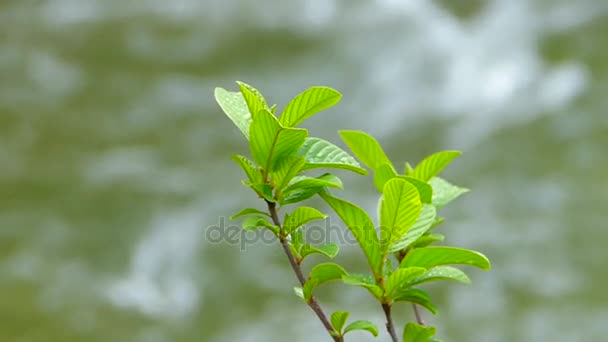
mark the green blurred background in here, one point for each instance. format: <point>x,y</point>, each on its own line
<point>114,160</point>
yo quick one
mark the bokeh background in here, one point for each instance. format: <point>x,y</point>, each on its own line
<point>114,160</point>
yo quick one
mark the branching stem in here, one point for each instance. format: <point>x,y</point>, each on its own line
<point>295,266</point>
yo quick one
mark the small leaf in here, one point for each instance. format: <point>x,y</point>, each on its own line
<point>330,250</point>
<point>300,217</point>
<point>444,192</point>
<point>401,278</point>
<point>338,319</point>
<point>269,142</point>
<point>441,273</point>
<point>364,281</point>
<point>438,221</point>
<point>383,174</point>
<point>297,240</point>
<point>286,170</point>
<point>408,169</point>
<point>298,195</point>
<point>247,212</point>
<point>253,98</point>
<point>362,325</point>
<point>424,189</point>
<point>307,104</point>
<point>324,181</point>
<point>321,274</point>
<point>416,296</point>
<point>417,333</point>
<point>400,206</point>
<point>362,227</point>
<point>298,291</point>
<point>251,170</point>
<point>427,239</point>
<point>320,153</point>
<point>422,225</point>
<point>366,148</point>
<point>436,256</point>
<point>255,222</point>
<point>263,190</point>
<point>433,164</point>
<point>234,106</point>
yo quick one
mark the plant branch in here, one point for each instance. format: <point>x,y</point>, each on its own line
<point>418,315</point>
<point>312,303</point>
<point>390,327</point>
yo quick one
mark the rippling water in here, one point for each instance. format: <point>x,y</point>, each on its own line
<point>114,160</point>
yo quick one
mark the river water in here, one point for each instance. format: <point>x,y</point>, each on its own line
<point>114,160</point>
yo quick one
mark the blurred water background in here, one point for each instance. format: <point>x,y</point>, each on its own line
<point>114,160</point>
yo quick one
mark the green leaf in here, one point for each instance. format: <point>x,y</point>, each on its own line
<point>247,212</point>
<point>300,217</point>
<point>298,195</point>
<point>427,239</point>
<point>321,274</point>
<point>263,190</point>
<point>366,148</point>
<point>433,164</point>
<point>326,180</point>
<point>408,169</point>
<point>416,296</point>
<point>383,174</point>
<point>330,250</point>
<point>424,189</point>
<point>269,142</point>
<point>401,278</point>
<point>361,226</point>
<point>417,333</point>
<point>251,170</point>
<point>320,153</point>
<point>307,104</point>
<point>297,240</point>
<point>444,192</point>
<point>234,106</point>
<point>400,206</point>
<point>422,225</point>
<point>436,256</point>
<point>253,98</point>
<point>286,170</point>
<point>362,325</point>
<point>338,319</point>
<point>255,222</point>
<point>441,273</point>
<point>364,281</point>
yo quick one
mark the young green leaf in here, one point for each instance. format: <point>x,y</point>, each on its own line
<point>424,189</point>
<point>427,239</point>
<point>415,296</point>
<point>300,217</point>
<point>361,226</point>
<point>254,99</point>
<point>255,222</point>
<point>286,169</point>
<point>401,278</point>
<point>362,325</point>
<point>321,153</point>
<point>417,333</point>
<point>251,170</point>
<point>297,241</point>
<point>298,195</point>
<point>269,142</point>
<point>234,106</point>
<point>433,164</point>
<point>307,104</point>
<point>441,273</point>
<point>444,192</point>
<point>364,281</point>
<point>408,169</point>
<point>263,190</point>
<point>338,319</point>
<point>321,274</point>
<point>330,250</point>
<point>247,212</point>
<point>422,225</point>
<point>383,174</point>
<point>326,180</point>
<point>436,256</point>
<point>366,148</point>
<point>400,206</point>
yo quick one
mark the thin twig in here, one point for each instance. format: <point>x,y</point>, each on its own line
<point>418,315</point>
<point>312,303</point>
<point>389,322</point>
